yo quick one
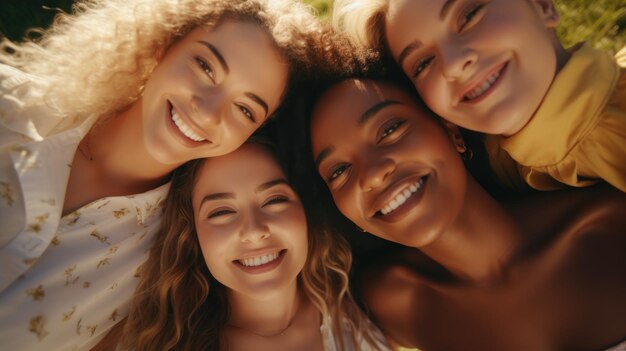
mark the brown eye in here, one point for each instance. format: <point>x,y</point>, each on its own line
<point>422,64</point>
<point>337,172</point>
<point>389,129</point>
<point>247,113</point>
<point>204,66</point>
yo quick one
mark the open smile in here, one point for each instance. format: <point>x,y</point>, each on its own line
<point>184,128</point>
<point>479,91</point>
<point>404,199</point>
<point>261,263</point>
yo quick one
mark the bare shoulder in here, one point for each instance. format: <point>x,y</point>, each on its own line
<point>597,210</point>
<point>395,292</point>
<point>600,208</point>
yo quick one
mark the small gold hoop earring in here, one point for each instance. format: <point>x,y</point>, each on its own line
<point>467,155</point>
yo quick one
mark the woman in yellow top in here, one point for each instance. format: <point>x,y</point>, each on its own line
<point>554,117</point>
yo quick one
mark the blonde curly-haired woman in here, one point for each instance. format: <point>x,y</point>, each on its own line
<point>94,117</point>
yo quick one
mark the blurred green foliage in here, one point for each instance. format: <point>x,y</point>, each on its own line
<point>601,22</point>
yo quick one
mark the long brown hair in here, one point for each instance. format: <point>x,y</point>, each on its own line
<point>178,305</point>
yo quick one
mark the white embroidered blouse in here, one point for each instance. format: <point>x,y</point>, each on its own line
<point>64,281</point>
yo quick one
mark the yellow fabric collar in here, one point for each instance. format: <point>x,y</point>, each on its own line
<point>569,110</point>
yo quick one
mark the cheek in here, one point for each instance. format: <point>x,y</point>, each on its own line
<point>213,250</point>
<point>433,91</point>
<point>233,135</point>
<point>297,225</point>
<point>347,203</point>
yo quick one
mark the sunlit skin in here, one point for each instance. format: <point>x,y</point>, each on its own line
<point>222,83</point>
<point>382,155</point>
<point>543,273</point>
<point>483,65</point>
<point>245,209</point>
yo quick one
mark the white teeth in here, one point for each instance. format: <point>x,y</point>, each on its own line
<point>484,87</point>
<point>184,128</point>
<point>402,197</point>
<point>259,260</point>
<point>406,193</point>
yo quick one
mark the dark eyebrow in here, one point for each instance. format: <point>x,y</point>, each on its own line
<point>259,101</point>
<point>217,196</point>
<point>372,111</point>
<point>322,155</point>
<point>271,183</point>
<point>217,54</point>
<point>262,187</point>
<point>445,8</point>
<point>407,50</point>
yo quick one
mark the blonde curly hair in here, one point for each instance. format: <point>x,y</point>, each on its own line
<point>97,60</point>
<point>363,21</point>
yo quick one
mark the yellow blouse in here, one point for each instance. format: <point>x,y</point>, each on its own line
<point>578,135</point>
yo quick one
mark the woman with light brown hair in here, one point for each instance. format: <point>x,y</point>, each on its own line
<point>238,265</point>
<point>94,117</point>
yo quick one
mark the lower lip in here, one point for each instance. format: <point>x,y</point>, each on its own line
<point>179,135</point>
<point>407,206</point>
<point>264,267</point>
<point>491,88</point>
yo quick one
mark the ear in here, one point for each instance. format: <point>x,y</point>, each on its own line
<point>547,12</point>
<point>455,135</point>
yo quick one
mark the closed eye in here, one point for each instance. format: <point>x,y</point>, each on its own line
<point>206,68</point>
<point>275,200</point>
<point>220,213</point>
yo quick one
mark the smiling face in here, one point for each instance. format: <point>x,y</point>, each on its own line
<point>396,174</point>
<point>483,65</point>
<point>211,90</point>
<point>250,223</point>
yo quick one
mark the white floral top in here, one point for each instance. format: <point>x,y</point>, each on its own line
<point>330,344</point>
<point>64,281</point>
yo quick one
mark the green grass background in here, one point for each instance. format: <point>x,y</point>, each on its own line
<point>601,22</point>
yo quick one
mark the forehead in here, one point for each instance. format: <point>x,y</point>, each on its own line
<point>410,19</point>
<point>244,168</point>
<point>254,61</point>
<point>345,102</point>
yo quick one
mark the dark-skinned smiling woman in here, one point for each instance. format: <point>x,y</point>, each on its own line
<point>545,272</point>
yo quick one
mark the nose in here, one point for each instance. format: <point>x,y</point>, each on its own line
<point>376,172</point>
<point>254,229</point>
<point>457,60</point>
<point>208,108</point>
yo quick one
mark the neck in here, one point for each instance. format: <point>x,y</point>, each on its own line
<point>120,156</point>
<point>562,55</point>
<point>479,244</point>
<point>268,317</point>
